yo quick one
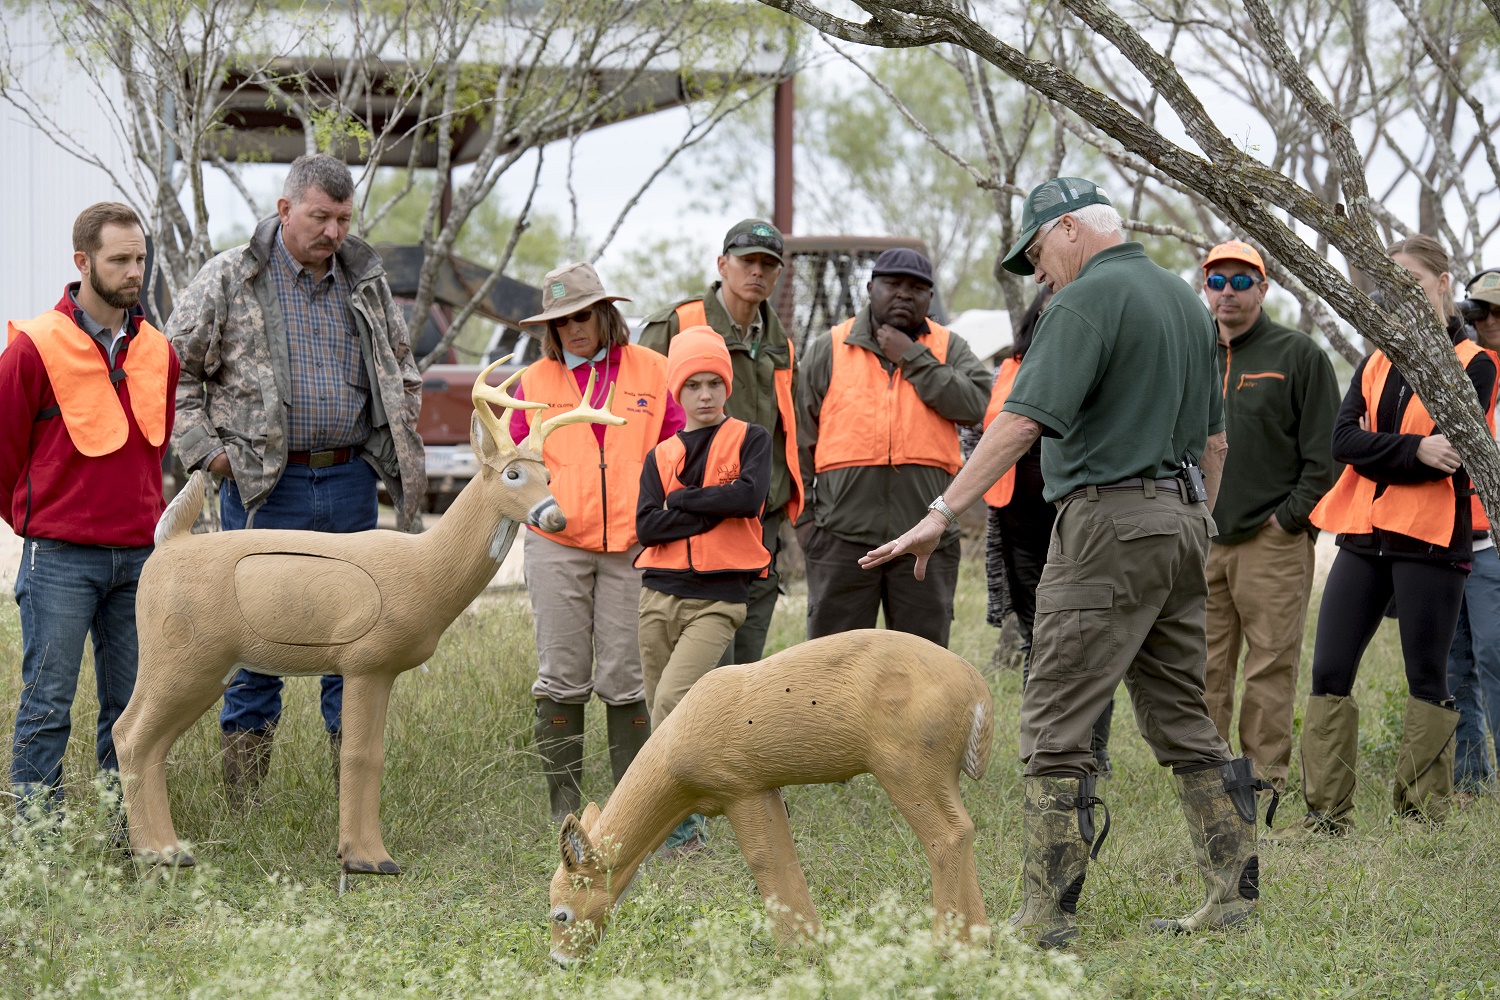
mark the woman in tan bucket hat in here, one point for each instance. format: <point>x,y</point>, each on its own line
<point>583,585</point>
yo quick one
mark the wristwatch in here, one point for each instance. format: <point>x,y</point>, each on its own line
<point>943,509</point>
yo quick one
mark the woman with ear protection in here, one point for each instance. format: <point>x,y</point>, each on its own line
<point>1404,515</point>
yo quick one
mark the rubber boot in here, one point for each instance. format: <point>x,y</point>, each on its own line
<point>1099,740</point>
<point>1058,832</point>
<point>559,740</point>
<point>336,748</point>
<point>1220,804</point>
<point>1330,747</point>
<point>629,729</point>
<point>247,759</point>
<point>1424,764</point>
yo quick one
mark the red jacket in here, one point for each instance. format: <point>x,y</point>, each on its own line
<point>48,489</point>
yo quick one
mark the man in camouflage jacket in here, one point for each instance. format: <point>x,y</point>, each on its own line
<point>230,336</point>
<point>299,388</point>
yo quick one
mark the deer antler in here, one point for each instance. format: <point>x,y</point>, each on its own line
<point>486,395</point>
<point>583,413</point>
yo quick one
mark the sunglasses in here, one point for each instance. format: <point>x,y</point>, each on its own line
<point>579,317</point>
<point>772,243</point>
<point>1239,282</point>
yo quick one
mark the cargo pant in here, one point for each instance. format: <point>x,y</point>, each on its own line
<point>1122,597</point>
<point>1258,591</point>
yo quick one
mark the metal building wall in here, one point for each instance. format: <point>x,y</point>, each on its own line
<point>43,187</point>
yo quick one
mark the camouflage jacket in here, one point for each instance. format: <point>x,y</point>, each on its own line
<point>229,334</point>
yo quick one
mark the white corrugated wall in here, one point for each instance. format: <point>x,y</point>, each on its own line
<point>42,187</point>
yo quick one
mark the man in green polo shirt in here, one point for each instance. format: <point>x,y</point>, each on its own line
<point>1121,384</point>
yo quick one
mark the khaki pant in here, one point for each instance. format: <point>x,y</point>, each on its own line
<point>1122,597</point>
<point>1258,592</point>
<point>682,639</point>
<point>585,606</point>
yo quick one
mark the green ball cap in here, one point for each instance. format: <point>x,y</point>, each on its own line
<point>1047,201</point>
<point>754,236</point>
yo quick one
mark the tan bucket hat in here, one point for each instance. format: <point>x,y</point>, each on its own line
<point>570,289</point>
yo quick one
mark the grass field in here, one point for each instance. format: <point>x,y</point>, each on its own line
<point>1393,911</point>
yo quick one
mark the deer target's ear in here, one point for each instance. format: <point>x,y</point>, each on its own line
<point>590,817</point>
<point>484,444</point>
<point>577,849</point>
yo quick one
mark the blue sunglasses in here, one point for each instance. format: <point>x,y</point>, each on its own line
<point>1240,282</point>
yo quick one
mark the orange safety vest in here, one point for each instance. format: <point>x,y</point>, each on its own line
<point>693,314</point>
<point>732,545</point>
<point>595,486</point>
<point>871,418</point>
<point>1423,511</point>
<point>1005,379</point>
<point>84,385</point>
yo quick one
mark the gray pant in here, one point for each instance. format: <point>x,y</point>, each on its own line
<point>1123,596</point>
<point>586,607</point>
<point>749,641</point>
<point>841,596</point>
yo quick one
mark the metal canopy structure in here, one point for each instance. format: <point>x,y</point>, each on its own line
<point>257,128</point>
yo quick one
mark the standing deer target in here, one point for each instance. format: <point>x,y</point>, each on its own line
<point>367,605</point>
<point>885,703</point>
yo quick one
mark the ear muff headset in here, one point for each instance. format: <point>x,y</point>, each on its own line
<point>1475,310</point>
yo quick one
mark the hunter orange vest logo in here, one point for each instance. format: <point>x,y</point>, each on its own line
<point>91,408</point>
<point>734,544</point>
<point>1421,510</point>
<point>1005,379</point>
<point>597,487</point>
<point>874,418</point>
<point>693,314</point>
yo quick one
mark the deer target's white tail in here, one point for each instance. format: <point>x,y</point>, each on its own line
<point>180,514</point>
<point>977,753</point>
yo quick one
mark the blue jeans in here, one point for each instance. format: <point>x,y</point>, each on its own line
<point>1474,671</point>
<point>339,499</point>
<point>66,592</point>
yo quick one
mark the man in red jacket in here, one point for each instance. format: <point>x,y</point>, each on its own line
<point>86,406</point>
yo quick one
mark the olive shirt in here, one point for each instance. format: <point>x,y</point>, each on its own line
<point>755,360</point>
<point>1280,398</point>
<point>1122,374</point>
<point>871,504</point>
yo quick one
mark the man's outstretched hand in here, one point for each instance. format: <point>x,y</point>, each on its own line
<point>921,541</point>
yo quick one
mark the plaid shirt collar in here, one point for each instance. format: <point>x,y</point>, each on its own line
<point>294,266</point>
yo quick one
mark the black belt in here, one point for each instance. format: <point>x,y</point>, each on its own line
<point>321,459</point>
<point>1136,485</point>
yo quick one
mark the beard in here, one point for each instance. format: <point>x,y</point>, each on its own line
<point>116,297</point>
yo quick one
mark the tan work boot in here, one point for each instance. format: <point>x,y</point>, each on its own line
<point>1219,804</point>
<point>1058,830</point>
<point>1424,764</point>
<point>247,759</point>
<point>1330,747</point>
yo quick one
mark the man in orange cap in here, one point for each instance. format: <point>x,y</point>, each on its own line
<point>1280,398</point>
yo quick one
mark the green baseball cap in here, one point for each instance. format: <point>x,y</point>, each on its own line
<point>1047,201</point>
<point>754,236</point>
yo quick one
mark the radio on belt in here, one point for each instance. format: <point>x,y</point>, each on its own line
<point>1191,478</point>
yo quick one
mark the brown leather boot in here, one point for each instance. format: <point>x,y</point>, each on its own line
<point>247,759</point>
<point>336,747</point>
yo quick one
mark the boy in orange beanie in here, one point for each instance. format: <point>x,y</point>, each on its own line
<point>702,494</point>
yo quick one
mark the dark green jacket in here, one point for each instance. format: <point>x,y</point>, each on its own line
<point>872,504</point>
<point>1280,398</point>
<point>755,361</point>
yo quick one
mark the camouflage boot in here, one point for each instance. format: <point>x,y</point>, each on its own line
<point>1220,806</point>
<point>1330,747</point>
<point>1058,825</point>
<point>1424,764</point>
